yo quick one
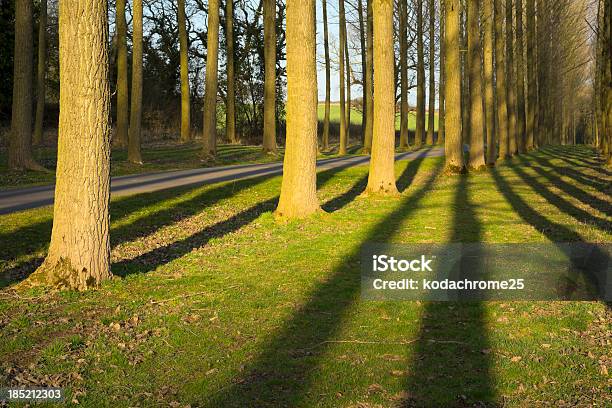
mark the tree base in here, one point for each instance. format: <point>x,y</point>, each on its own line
<point>477,168</point>
<point>284,216</point>
<point>452,169</point>
<point>383,190</point>
<point>60,275</point>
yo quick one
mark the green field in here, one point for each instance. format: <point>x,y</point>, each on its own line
<point>334,117</point>
<point>217,305</point>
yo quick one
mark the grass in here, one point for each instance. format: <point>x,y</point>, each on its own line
<point>334,117</point>
<point>217,305</point>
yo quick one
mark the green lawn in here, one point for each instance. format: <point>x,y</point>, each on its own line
<point>217,305</point>
<point>334,117</point>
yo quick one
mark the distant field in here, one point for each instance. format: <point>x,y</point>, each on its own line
<point>334,116</point>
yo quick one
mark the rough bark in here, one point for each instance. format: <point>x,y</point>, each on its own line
<point>325,141</point>
<point>442,86</point>
<point>40,74</point>
<point>510,80</point>
<point>209,134</point>
<point>520,81</point>
<point>532,85</point>
<point>20,142</point>
<point>432,79</point>
<point>230,109</point>
<point>420,117</point>
<point>489,31</point>
<point>476,160</point>
<point>79,253</point>
<point>298,196</point>
<point>269,142</point>
<point>370,81</point>
<point>121,135</point>
<point>184,62</point>
<point>452,144</point>
<point>403,37</point>
<point>381,180</point>
<point>500,76</point>
<point>341,54</point>
<point>134,140</point>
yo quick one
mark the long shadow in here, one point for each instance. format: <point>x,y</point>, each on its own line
<point>570,189</point>
<point>283,373</point>
<point>590,158</point>
<point>448,367</point>
<point>583,178</point>
<point>576,163</point>
<point>407,176</point>
<point>559,202</point>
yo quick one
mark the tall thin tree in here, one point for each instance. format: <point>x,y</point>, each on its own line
<point>40,73</point>
<point>230,110</point>
<point>432,71</point>
<point>442,86</point>
<point>134,140</point>
<point>500,80</point>
<point>121,135</point>
<point>403,39</point>
<point>325,141</point>
<point>521,128</point>
<point>488,47</point>
<point>510,80</point>
<point>420,116</point>
<point>209,124</point>
<point>269,142</point>
<point>532,82</point>
<point>342,71</point>
<point>369,86</point>
<point>452,145</point>
<point>79,252</point>
<point>362,41</point>
<point>477,159</point>
<point>298,196</point>
<point>184,63</point>
<point>381,179</point>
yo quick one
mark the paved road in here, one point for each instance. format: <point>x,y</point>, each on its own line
<point>33,197</point>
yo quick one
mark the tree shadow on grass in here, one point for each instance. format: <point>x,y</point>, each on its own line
<point>583,178</point>
<point>450,364</point>
<point>559,202</point>
<point>282,374</point>
<point>586,156</point>
<point>576,162</point>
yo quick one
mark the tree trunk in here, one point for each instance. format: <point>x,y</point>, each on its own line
<point>532,84</point>
<point>510,81</point>
<point>442,98</point>
<point>209,125</point>
<point>403,37</point>
<point>341,54</point>
<point>134,155</point>
<point>500,76</point>
<point>349,107</point>
<point>327,79</point>
<point>489,30</point>
<point>453,145</point>
<point>520,81</point>
<point>20,143</point>
<point>121,136</point>
<point>269,142</point>
<point>370,80</point>
<point>298,196</point>
<point>230,109</point>
<point>362,38</point>
<point>432,80</point>
<point>184,48</point>
<point>381,179</point>
<point>79,253</point>
<point>40,74</point>
<point>477,160</point>
<point>420,119</point>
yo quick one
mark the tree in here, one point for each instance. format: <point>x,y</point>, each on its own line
<point>500,76</point>
<point>403,37</point>
<point>369,84</point>
<point>532,84</point>
<point>381,179</point>
<point>184,48</point>
<point>40,73</point>
<point>230,110</point>
<point>341,55</point>
<point>520,81</point>
<point>20,143</point>
<point>420,117</point>
<point>209,125</point>
<point>79,252</point>
<point>432,69</point>
<point>269,142</point>
<point>441,90</point>
<point>476,160</point>
<point>134,154</point>
<point>452,144</point>
<point>362,40</point>
<point>488,46</point>
<point>325,141</point>
<point>298,197</point>
<point>347,64</point>
<point>510,81</point>
<point>121,136</point>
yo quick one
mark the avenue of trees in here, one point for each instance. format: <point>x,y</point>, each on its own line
<point>505,77</point>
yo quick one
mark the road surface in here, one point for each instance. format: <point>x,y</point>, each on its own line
<point>34,197</point>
